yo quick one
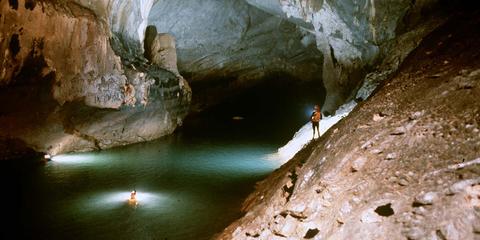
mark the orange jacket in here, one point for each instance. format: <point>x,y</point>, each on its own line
<point>316,116</point>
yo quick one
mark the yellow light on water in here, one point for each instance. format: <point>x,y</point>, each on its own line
<point>133,198</point>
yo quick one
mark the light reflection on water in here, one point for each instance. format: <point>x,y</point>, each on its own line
<point>185,190</point>
<point>77,159</point>
<point>190,185</point>
<point>112,200</point>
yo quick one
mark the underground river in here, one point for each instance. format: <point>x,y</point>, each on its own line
<point>189,185</point>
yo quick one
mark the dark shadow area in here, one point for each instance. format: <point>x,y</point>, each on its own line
<point>385,210</point>
<point>15,204</point>
<point>273,110</point>
<point>311,233</point>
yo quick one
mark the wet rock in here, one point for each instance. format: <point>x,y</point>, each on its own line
<point>343,36</point>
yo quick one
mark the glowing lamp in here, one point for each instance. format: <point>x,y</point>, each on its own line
<point>47,157</point>
<point>133,195</point>
<point>133,198</point>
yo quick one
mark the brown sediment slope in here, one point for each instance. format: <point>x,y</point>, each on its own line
<point>405,164</point>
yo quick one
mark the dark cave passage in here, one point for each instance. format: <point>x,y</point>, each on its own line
<point>272,110</point>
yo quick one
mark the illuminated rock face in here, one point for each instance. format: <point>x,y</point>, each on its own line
<point>91,54</point>
<point>403,165</point>
<point>76,79</point>
<point>160,49</point>
<point>224,46</point>
<point>91,86</point>
<point>354,36</point>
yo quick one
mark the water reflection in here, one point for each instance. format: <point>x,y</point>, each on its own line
<point>86,159</point>
<point>189,186</point>
<point>186,189</point>
<point>102,201</point>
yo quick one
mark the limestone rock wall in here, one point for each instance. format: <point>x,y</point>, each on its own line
<point>224,46</point>
<point>93,52</point>
<point>354,35</point>
<point>76,79</point>
<point>160,49</point>
<point>71,42</point>
<point>128,21</point>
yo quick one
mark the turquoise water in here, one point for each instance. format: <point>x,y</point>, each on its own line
<point>186,189</point>
<point>189,185</point>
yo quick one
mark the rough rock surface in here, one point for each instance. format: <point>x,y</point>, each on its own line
<point>91,53</point>
<point>160,49</point>
<point>354,35</point>
<point>403,165</point>
<point>65,87</point>
<point>226,46</point>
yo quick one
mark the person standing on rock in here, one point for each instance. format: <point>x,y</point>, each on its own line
<point>315,119</point>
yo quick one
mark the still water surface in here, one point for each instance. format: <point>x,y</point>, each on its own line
<point>190,185</point>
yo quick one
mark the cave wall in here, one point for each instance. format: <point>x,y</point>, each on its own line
<point>354,36</point>
<point>403,165</point>
<point>224,46</point>
<point>74,82</point>
<point>74,45</point>
<point>92,52</point>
